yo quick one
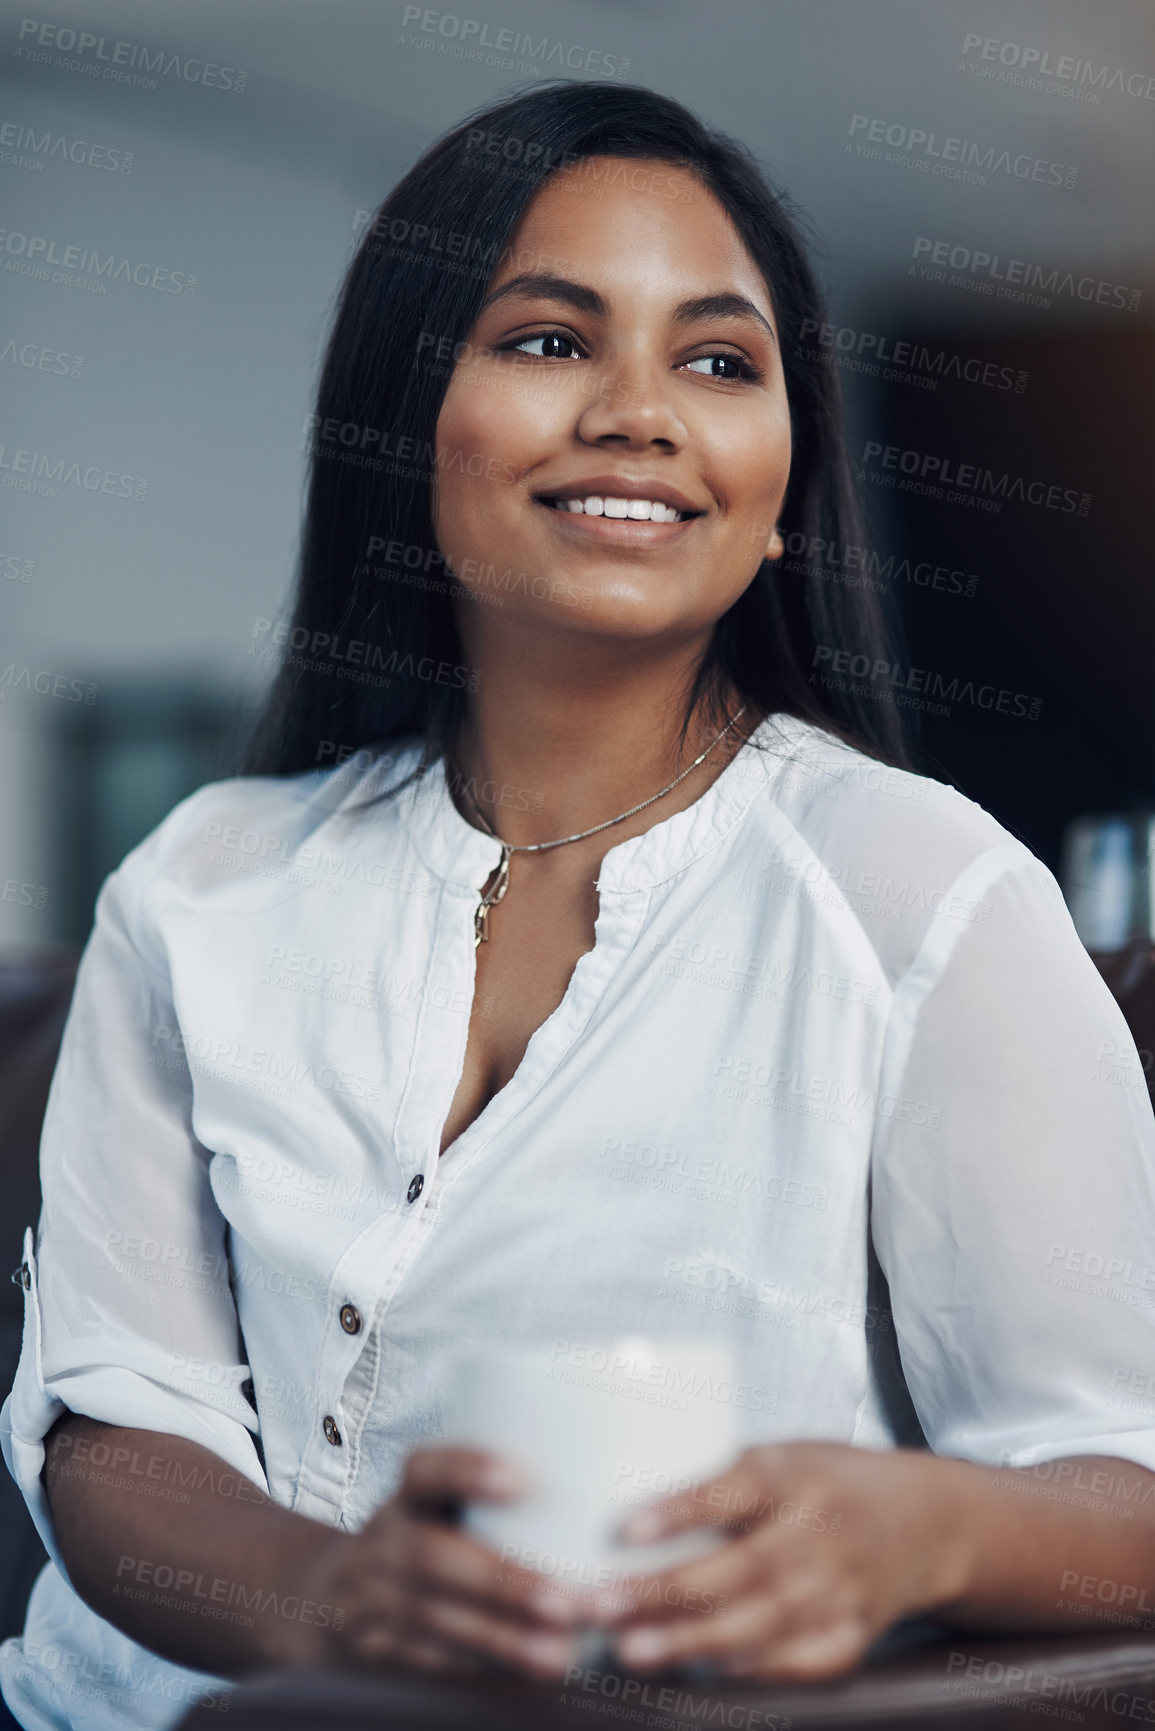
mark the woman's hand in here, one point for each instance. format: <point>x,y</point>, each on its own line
<point>409,1589</point>
<point>831,1545</point>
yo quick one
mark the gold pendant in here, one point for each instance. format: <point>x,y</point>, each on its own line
<point>491,899</point>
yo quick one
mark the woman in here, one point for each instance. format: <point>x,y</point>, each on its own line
<point>770,1040</point>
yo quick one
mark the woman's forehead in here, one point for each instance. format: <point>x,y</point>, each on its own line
<point>631,225</point>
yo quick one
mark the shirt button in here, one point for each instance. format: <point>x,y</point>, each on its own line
<point>416,1187</point>
<point>332,1434</point>
<point>350,1319</point>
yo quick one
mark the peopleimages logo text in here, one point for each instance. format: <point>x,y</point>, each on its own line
<point>973,261</point>
<point>973,479</point>
<point>40,146</point>
<point>883,678</point>
<point>926,148</point>
<point>1065,68</point>
<point>474,33</point>
<point>117,55</point>
<point>925,365</point>
<point>36,472</point>
<point>39,251</point>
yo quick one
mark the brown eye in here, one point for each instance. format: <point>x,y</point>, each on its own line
<point>555,346</point>
<point>724,366</point>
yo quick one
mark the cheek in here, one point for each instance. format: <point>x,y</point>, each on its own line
<point>460,436</point>
<point>460,430</point>
<point>756,466</point>
<point>515,413</point>
<point>483,449</point>
<point>753,454</point>
<point>478,420</point>
<point>756,477</point>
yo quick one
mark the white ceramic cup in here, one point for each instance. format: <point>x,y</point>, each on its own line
<point>602,1429</point>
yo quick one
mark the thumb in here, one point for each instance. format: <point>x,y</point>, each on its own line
<point>436,1474</point>
<point>731,1500</point>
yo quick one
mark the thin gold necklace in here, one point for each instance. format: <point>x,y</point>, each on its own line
<point>501,882</point>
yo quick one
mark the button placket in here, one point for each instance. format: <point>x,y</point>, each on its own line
<point>449,983</point>
<point>356,1383</point>
<point>621,915</point>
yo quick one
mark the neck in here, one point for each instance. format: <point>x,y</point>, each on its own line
<point>544,753</point>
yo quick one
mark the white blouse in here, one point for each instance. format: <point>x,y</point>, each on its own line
<point>837,1085</point>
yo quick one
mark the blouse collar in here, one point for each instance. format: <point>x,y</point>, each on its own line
<point>452,849</point>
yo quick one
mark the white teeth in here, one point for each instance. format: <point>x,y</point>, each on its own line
<point>637,510</point>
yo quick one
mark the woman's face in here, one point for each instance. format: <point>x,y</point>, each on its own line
<point>626,351</point>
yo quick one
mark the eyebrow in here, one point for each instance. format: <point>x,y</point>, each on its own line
<point>542,286</point>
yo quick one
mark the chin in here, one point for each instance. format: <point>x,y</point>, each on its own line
<point>628,618</point>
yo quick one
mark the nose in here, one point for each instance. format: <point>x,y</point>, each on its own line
<point>633,409</point>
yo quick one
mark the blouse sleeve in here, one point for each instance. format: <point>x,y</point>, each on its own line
<point>129,1316</point>
<point>1013,1183</point>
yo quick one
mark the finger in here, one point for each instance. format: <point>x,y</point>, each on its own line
<point>453,1562</point>
<point>381,1633</point>
<point>646,1645</point>
<point>403,1619</point>
<point>736,1499</point>
<point>698,1587</point>
<point>539,1653</point>
<point>435,1474</point>
<point>827,1652</point>
<point>760,1622</point>
<point>762,1559</point>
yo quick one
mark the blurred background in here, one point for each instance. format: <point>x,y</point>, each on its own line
<point>183,185</point>
<point>979,179</point>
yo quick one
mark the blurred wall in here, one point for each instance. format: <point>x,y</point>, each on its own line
<point>979,177</point>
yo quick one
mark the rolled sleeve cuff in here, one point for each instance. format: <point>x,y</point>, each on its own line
<point>112,1394</point>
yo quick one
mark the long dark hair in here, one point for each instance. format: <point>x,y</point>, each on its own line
<point>372,653</point>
